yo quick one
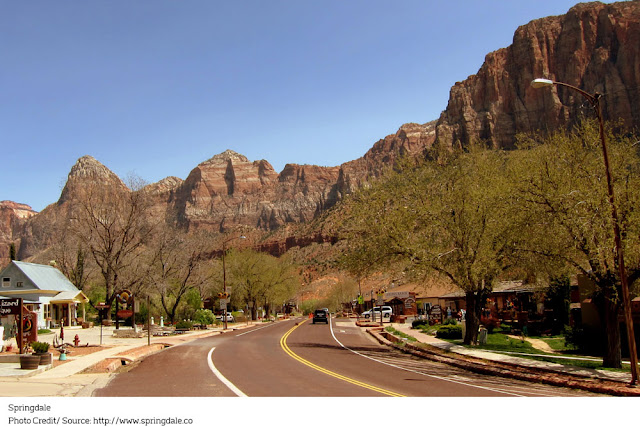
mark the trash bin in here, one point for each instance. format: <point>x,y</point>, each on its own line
<point>482,336</point>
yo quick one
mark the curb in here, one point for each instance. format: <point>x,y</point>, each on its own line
<point>519,372</point>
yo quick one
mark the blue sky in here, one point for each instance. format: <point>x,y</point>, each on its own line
<point>155,87</point>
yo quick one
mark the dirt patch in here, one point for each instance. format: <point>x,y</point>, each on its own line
<point>75,352</point>
<point>114,363</point>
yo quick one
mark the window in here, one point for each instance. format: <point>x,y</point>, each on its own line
<point>46,311</point>
<point>6,282</point>
<point>18,284</point>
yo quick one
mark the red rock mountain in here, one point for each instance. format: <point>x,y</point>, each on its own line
<point>13,217</point>
<point>594,46</point>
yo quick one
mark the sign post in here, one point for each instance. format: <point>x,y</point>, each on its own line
<point>381,303</point>
<point>20,338</point>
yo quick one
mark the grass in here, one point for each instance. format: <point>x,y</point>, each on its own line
<point>557,342</point>
<point>395,332</point>
<point>502,343</point>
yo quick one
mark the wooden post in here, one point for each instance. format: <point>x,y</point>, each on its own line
<point>20,338</point>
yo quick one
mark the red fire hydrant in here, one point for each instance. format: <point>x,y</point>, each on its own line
<point>76,340</point>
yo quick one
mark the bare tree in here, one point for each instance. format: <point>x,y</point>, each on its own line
<point>177,266</point>
<point>113,224</point>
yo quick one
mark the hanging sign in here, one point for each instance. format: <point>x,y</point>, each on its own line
<point>124,296</point>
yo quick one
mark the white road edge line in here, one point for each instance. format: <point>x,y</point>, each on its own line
<point>254,330</point>
<point>418,372</point>
<point>221,377</point>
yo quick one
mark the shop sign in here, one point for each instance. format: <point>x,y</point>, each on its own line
<point>398,294</point>
<point>436,310</point>
<point>409,302</point>
<point>125,314</point>
<point>10,306</point>
<point>29,327</point>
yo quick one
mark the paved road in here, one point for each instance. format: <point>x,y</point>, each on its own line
<point>289,359</point>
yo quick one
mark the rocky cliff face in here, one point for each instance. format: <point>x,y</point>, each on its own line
<point>595,47</point>
<point>13,217</point>
<point>228,190</point>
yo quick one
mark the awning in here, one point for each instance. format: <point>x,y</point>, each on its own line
<point>69,297</point>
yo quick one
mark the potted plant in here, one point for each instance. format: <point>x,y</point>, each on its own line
<point>41,349</point>
<point>29,361</point>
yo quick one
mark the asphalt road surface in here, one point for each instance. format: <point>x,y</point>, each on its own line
<point>298,358</point>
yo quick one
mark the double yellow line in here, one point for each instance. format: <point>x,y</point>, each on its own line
<point>285,347</point>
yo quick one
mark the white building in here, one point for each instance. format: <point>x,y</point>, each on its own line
<point>44,290</point>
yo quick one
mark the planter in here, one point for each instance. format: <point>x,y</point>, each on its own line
<point>45,358</point>
<point>28,361</point>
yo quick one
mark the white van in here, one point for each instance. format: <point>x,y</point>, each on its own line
<point>386,313</point>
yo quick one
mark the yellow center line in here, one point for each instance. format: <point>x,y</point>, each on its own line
<point>285,347</point>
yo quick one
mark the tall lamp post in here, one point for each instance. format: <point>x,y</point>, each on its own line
<point>594,100</point>
<point>224,274</point>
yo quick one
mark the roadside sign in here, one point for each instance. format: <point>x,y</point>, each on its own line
<point>380,299</point>
<point>9,306</point>
<point>223,304</point>
<point>125,314</point>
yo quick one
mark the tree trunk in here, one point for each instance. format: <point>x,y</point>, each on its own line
<point>474,311</point>
<point>613,354</point>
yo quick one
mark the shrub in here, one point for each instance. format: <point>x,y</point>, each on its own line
<point>490,323</point>
<point>204,317</point>
<point>449,331</point>
<point>451,321</point>
<point>40,347</point>
<point>184,324</point>
<point>419,322</point>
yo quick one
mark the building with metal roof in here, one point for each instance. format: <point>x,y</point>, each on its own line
<point>45,291</point>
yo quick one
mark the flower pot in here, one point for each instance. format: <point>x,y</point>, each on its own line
<point>45,358</point>
<point>28,361</point>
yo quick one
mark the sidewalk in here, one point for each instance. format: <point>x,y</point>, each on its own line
<point>554,373</point>
<point>67,380</point>
<point>501,357</point>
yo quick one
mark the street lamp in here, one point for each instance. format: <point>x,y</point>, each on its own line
<point>224,275</point>
<point>594,100</point>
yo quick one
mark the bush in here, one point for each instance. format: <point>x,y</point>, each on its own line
<point>490,323</point>
<point>184,324</point>
<point>419,322</point>
<point>40,347</point>
<point>451,321</point>
<point>449,331</point>
<point>204,317</point>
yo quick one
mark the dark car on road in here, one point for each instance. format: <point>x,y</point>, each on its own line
<point>320,316</point>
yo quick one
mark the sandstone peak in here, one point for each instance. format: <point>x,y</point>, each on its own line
<point>88,167</point>
<point>225,157</point>
<point>19,209</point>
<point>164,185</point>
<point>88,170</point>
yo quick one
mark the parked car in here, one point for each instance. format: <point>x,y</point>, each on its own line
<point>387,311</point>
<point>229,317</point>
<point>320,316</point>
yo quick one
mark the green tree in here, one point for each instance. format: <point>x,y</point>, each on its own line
<point>447,215</point>
<point>260,279</point>
<point>561,186</point>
